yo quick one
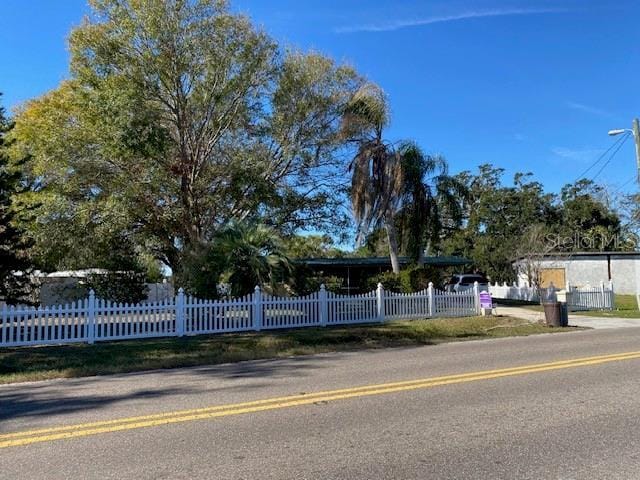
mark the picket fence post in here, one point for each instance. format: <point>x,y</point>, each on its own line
<point>380,302</point>
<point>324,306</point>
<point>476,295</point>
<point>431,300</point>
<point>257,309</point>
<point>612,297</point>
<point>569,296</point>
<point>5,323</point>
<point>180,312</point>
<point>91,317</point>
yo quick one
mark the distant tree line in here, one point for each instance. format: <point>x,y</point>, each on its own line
<point>494,222</point>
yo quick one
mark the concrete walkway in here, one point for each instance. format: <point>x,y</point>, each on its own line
<point>574,320</point>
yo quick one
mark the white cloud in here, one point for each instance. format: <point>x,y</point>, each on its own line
<point>580,154</point>
<point>399,24</point>
<point>588,109</point>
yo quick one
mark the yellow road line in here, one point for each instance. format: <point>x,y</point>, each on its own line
<point>80,430</point>
<point>304,395</point>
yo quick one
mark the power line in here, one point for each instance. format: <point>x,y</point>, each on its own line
<point>604,154</point>
<point>623,185</point>
<point>624,139</point>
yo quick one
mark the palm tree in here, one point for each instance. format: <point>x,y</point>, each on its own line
<point>391,183</point>
<point>253,255</point>
<point>429,202</point>
<point>376,182</point>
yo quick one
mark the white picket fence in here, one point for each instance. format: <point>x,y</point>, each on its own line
<point>591,298</point>
<point>583,298</point>
<point>513,292</point>
<point>93,319</point>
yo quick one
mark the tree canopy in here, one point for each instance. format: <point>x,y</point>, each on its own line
<point>179,118</point>
<point>500,220</point>
<point>15,265</point>
<point>183,125</point>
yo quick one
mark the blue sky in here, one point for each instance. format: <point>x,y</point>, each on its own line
<point>528,85</point>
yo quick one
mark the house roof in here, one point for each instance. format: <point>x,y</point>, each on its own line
<point>579,255</point>
<point>444,261</point>
<point>77,273</point>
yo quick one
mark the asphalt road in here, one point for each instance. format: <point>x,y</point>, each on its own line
<point>416,417</point>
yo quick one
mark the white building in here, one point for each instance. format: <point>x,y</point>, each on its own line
<point>67,286</point>
<point>583,269</point>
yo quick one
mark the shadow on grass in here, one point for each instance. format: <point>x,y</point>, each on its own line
<point>38,363</point>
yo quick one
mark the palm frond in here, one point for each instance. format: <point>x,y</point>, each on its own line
<point>366,114</point>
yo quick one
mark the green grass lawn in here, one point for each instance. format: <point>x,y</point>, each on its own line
<point>625,307</point>
<point>39,363</point>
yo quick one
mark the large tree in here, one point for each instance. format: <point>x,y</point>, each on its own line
<point>495,216</point>
<point>15,266</point>
<point>181,116</point>
<point>587,221</point>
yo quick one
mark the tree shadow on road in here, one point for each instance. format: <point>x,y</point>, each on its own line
<point>77,395</point>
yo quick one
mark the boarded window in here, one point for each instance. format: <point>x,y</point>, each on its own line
<point>556,276</point>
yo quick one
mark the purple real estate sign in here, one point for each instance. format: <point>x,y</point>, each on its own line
<point>485,300</point>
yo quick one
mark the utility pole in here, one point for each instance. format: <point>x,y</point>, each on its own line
<point>635,131</point>
<point>636,136</point>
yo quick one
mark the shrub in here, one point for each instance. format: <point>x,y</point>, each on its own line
<point>409,280</point>
<point>121,287</point>
<point>305,281</point>
<point>241,256</point>
<point>415,278</point>
<point>200,273</point>
<point>389,281</point>
<point>254,255</point>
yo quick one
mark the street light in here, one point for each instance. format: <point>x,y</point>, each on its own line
<point>613,133</point>
<point>635,131</point>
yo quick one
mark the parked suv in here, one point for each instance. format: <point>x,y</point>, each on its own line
<point>465,281</point>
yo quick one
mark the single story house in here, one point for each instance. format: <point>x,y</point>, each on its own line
<point>581,269</point>
<point>353,269</point>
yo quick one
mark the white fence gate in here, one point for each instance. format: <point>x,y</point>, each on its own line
<point>591,298</point>
<point>94,319</point>
<point>583,298</point>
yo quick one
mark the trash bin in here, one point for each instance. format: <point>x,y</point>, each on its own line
<point>556,314</point>
<point>552,313</point>
<point>564,314</point>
